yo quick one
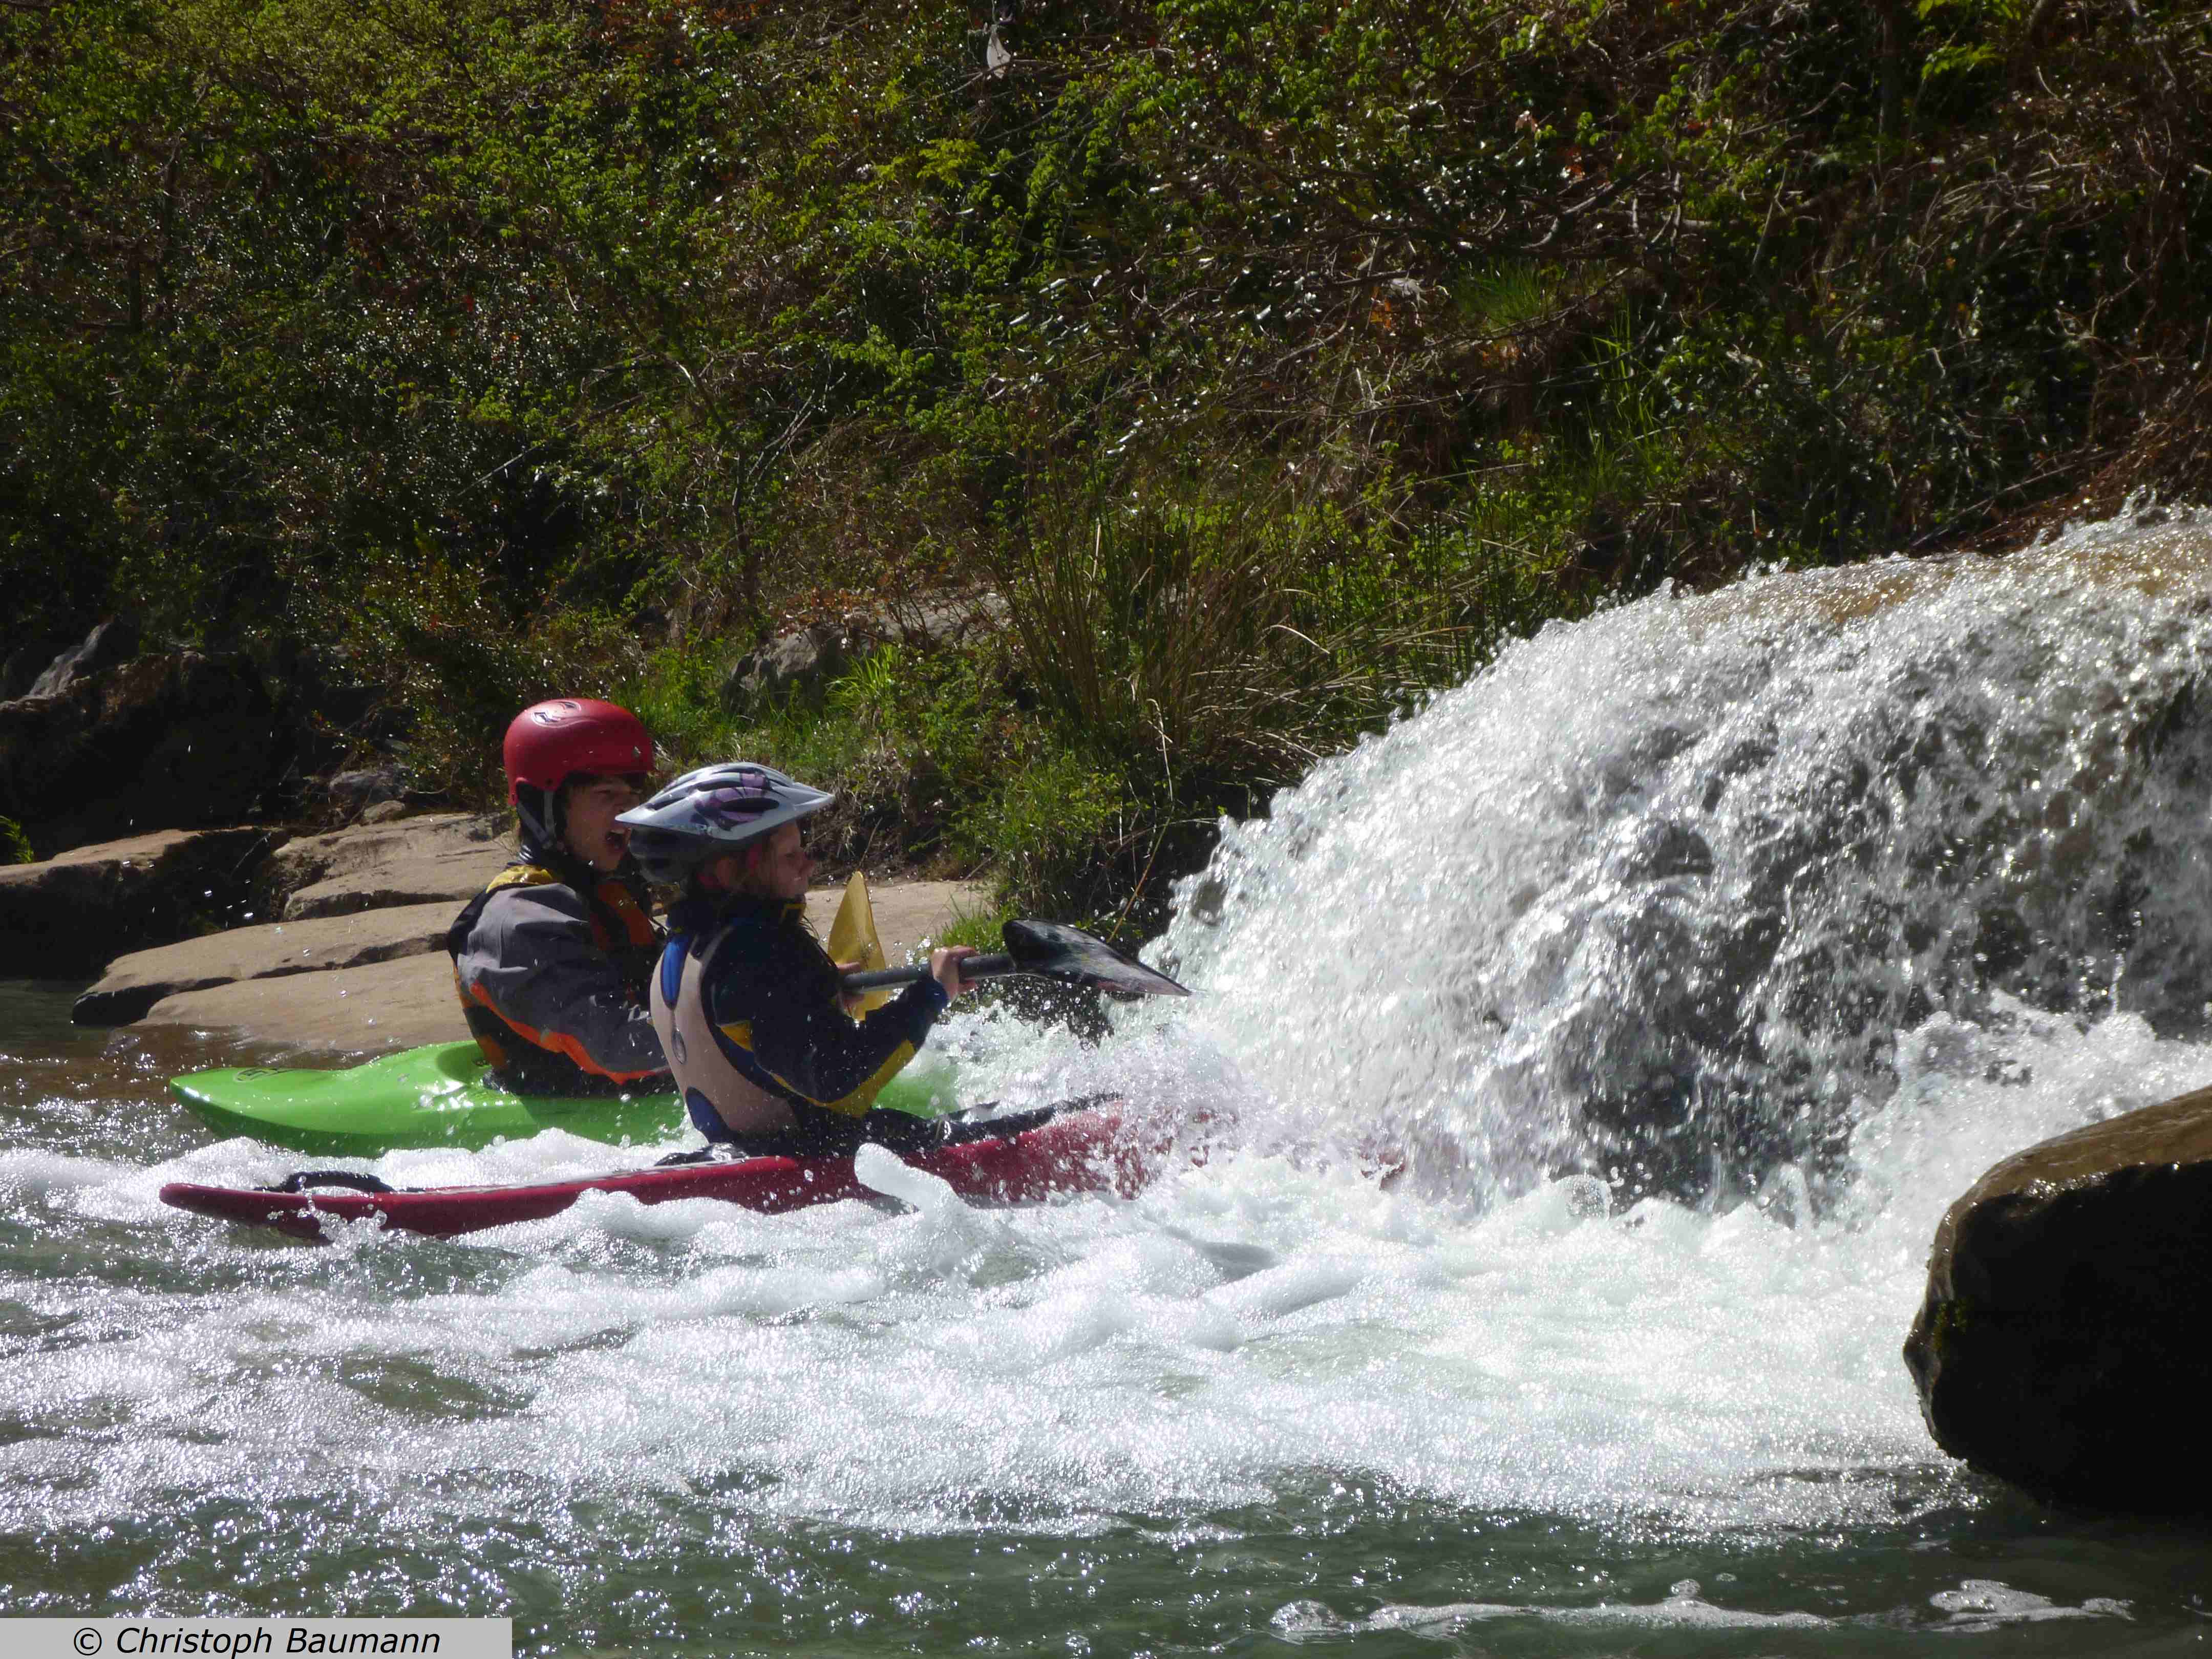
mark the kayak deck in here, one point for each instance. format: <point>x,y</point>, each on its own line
<point>1081,1151</point>
<point>439,1096</point>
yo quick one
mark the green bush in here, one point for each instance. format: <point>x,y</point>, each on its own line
<point>677,694</point>
<point>453,664</point>
<point>1273,358</point>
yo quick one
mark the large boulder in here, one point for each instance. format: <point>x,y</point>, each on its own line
<point>24,662</point>
<point>352,793</point>
<point>441,857</point>
<point>801,663</point>
<point>68,914</point>
<point>134,983</point>
<point>2062,1344</point>
<point>169,742</point>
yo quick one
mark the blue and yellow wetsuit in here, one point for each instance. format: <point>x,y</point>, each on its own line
<point>746,1003</point>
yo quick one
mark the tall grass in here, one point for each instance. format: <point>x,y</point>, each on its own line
<point>1154,633</point>
<point>1189,642</point>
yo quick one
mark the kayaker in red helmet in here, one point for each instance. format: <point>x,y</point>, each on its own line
<point>552,960</point>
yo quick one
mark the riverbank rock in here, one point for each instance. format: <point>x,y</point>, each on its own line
<point>68,914</point>
<point>345,1012</point>
<point>908,914</point>
<point>134,983</point>
<point>444,858</point>
<point>347,1005</point>
<point>24,663</point>
<point>353,794</point>
<point>169,742</point>
<point>110,645</point>
<point>2062,1344</point>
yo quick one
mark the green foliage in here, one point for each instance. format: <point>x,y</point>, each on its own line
<point>15,846</point>
<point>1273,358</point>
<point>677,694</point>
<point>903,740</point>
<point>1145,628</point>
<point>980,930</point>
<point>936,765</point>
<point>454,666</point>
<point>1043,826</point>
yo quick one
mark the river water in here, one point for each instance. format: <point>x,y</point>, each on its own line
<point>1576,1076</point>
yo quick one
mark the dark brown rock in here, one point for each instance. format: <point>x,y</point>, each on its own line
<point>2061,1345</point>
<point>69,914</point>
<point>179,741</point>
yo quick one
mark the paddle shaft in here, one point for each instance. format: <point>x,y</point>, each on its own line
<point>996,965</point>
<point>1049,951</point>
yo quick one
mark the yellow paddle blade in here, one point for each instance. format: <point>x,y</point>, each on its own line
<point>852,938</point>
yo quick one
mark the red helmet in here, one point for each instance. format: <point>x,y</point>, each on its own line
<point>549,742</point>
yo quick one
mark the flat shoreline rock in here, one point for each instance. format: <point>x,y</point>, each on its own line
<point>133,984</point>
<point>2061,1345</point>
<point>908,913</point>
<point>445,858</point>
<point>351,1012</point>
<point>403,1002</point>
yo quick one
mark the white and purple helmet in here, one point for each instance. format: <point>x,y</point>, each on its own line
<point>713,811</point>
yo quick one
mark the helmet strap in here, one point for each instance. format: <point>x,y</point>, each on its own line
<point>539,810</point>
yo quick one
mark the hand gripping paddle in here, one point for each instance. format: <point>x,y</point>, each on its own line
<point>1048,951</point>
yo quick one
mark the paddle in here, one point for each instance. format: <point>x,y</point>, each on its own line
<point>1048,951</point>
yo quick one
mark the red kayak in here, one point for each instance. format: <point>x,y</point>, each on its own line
<point>1080,1151</point>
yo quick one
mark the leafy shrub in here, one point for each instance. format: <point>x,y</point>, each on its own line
<point>453,665</point>
<point>676,691</point>
<point>454,350</point>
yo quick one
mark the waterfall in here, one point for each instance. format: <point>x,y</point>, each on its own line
<point>1654,895</point>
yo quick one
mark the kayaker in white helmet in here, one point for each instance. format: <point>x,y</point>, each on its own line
<point>746,1001</point>
<point>552,959</point>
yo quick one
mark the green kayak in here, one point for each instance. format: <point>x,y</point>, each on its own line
<point>439,1097</point>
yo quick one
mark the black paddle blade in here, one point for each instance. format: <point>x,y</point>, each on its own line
<point>1051,952</point>
<point>1074,957</point>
